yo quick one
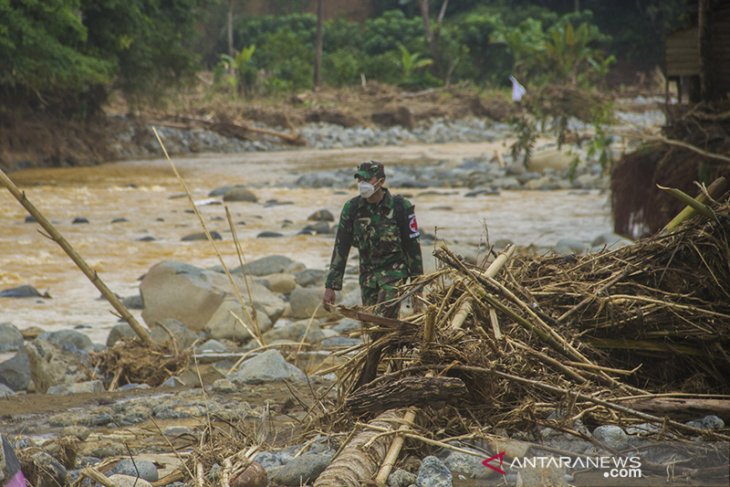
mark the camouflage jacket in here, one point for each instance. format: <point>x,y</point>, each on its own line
<point>384,243</point>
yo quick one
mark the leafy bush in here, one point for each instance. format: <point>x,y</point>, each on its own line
<point>341,67</point>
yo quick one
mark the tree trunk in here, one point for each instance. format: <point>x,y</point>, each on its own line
<point>229,28</point>
<point>702,30</point>
<point>318,44</point>
<point>357,463</point>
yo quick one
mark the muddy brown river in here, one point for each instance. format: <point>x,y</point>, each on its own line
<point>148,195</point>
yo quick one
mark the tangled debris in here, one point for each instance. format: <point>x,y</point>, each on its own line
<point>594,338</point>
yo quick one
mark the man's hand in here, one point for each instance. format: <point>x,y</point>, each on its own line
<point>329,298</point>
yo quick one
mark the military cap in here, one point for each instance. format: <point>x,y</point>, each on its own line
<point>368,169</point>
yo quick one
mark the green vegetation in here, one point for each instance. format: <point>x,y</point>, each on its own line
<point>67,56</point>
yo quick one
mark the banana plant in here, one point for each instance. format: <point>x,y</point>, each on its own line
<point>237,72</point>
<point>411,63</point>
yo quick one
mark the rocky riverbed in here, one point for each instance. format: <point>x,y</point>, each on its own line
<point>472,195</point>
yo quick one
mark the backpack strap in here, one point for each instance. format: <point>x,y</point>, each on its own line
<point>401,218</point>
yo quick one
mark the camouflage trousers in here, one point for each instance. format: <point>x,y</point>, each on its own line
<point>380,288</point>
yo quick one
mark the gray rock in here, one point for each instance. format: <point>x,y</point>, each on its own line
<point>239,193</point>
<point>15,373</point>
<point>612,436</point>
<point>51,365</point>
<point>279,283</point>
<point>128,481</point>
<point>347,325</point>
<point>272,264</point>
<point>223,324</point>
<point>506,183</point>
<point>178,331</point>
<point>80,220</point>
<point>24,291</point>
<point>301,470</point>
<point>340,342</point>
<point>5,391</point>
<point>710,422</point>
<point>567,246</point>
<point>221,190</point>
<point>269,366</point>
<point>433,473</point>
<point>268,460</point>
<point>319,228</point>
<point>307,302</point>
<point>468,466</point>
<point>119,220</point>
<point>142,469</point>
<point>9,464</point>
<point>180,291</point>
<point>69,340</point>
<point>122,330</point>
<point>92,386</point>
<point>212,345</point>
<point>401,478</point>
<point>310,277</point>
<point>133,302</point>
<point>11,340</point>
<point>321,216</point>
<point>224,386</point>
<point>610,240</point>
<point>296,332</point>
<point>269,234</point>
<point>192,237</point>
<point>642,429</point>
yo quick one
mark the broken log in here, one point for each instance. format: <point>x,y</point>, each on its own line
<point>360,459</point>
<point>408,391</point>
<point>682,407</point>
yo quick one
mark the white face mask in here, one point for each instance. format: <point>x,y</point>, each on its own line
<point>366,189</point>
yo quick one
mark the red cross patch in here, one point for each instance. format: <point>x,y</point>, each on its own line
<point>413,226</point>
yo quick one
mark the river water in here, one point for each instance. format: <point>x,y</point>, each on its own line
<point>150,197</point>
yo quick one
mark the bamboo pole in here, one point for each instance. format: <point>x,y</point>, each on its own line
<point>716,188</point>
<point>492,270</point>
<point>234,287</point>
<point>90,273</point>
<point>390,458</point>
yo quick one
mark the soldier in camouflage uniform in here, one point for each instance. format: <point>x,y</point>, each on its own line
<point>384,230</point>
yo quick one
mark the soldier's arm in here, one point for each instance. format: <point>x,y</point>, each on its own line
<point>343,242</point>
<point>412,245</point>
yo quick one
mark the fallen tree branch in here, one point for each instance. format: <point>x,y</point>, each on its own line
<point>90,273</point>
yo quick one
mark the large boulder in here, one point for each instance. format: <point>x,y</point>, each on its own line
<point>15,371</point>
<point>269,366</point>
<point>279,283</point>
<point>11,340</point>
<point>51,365</point>
<point>69,340</point>
<point>307,302</point>
<point>169,330</point>
<point>226,322</point>
<point>204,300</point>
<point>271,264</point>
<point>180,291</point>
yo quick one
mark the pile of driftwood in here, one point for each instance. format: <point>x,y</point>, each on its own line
<point>616,337</point>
